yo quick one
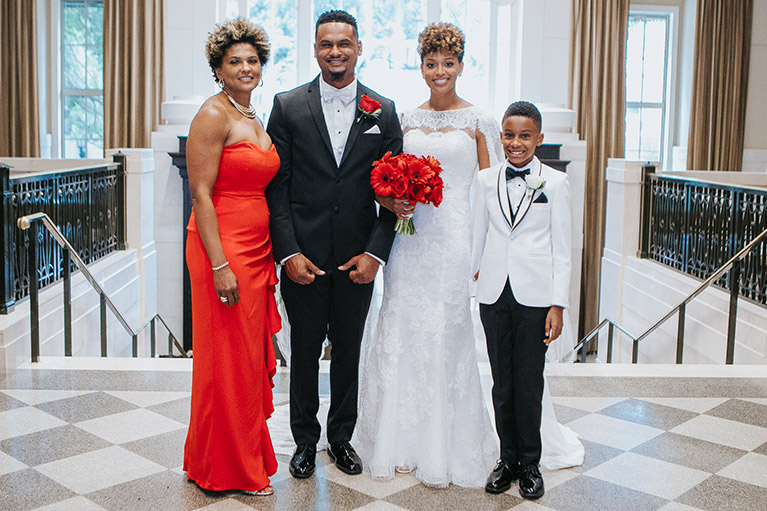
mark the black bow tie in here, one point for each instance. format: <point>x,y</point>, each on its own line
<point>511,173</point>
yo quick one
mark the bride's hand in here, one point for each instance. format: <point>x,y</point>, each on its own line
<point>400,207</point>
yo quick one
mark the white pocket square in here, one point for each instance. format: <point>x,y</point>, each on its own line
<point>375,130</point>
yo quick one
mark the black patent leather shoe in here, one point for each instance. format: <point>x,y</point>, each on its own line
<point>531,482</point>
<point>502,476</point>
<point>345,458</point>
<point>302,463</point>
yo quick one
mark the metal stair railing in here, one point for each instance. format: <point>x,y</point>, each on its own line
<point>31,222</point>
<point>732,265</point>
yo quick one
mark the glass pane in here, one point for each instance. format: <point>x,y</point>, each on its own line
<point>95,67</point>
<point>74,116</point>
<point>94,148</point>
<point>95,13</point>
<point>279,20</point>
<point>232,9</point>
<point>652,130</point>
<point>634,52</point>
<point>632,133</point>
<point>389,62</point>
<point>74,23</point>
<point>473,17</point>
<point>73,67</point>
<point>654,60</point>
<point>95,113</point>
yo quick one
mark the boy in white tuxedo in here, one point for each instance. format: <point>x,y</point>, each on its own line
<point>521,260</point>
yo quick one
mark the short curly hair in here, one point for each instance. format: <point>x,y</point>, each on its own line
<point>524,109</point>
<point>228,33</point>
<point>441,38</point>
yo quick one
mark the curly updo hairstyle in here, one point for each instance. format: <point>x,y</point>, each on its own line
<point>238,30</point>
<point>443,38</point>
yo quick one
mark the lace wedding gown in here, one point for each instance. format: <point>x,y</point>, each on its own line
<point>421,403</point>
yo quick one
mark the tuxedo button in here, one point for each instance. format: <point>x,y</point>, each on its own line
<point>338,180</point>
<point>336,209</point>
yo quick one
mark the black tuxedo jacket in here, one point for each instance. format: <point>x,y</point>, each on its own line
<point>317,207</point>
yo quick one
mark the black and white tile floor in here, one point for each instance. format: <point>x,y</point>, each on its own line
<point>95,434</point>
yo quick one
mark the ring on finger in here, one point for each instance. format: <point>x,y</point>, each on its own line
<point>223,299</point>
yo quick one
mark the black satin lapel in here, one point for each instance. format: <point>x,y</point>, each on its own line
<point>315,107</point>
<point>519,218</point>
<point>503,197</point>
<point>356,126</point>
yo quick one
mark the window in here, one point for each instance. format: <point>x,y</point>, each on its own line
<point>82,79</point>
<point>647,86</point>
<point>389,33</point>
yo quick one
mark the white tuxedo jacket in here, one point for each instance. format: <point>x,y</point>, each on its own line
<point>532,250</point>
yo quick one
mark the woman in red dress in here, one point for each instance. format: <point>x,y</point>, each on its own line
<point>230,160</point>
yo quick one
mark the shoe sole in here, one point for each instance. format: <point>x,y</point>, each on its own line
<point>343,469</point>
<point>301,476</point>
<point>496,491</point>
<point>530,496</point>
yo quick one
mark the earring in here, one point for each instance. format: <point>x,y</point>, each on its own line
<point>261,83</point>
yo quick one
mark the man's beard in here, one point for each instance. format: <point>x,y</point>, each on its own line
<point>337,76</point>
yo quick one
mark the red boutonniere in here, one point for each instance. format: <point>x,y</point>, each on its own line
<point>369,107</point>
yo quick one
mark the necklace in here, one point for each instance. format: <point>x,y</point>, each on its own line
<point>247,111</point>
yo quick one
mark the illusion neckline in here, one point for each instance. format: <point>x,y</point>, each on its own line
<point>418,109</point>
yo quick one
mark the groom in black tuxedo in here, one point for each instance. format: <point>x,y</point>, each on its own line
<point>327,233</point>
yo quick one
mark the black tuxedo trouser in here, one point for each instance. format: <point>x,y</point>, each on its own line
<point>517,354</point>
<point>335,307</point>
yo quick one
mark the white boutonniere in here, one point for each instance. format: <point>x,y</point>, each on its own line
<point>534,182</point>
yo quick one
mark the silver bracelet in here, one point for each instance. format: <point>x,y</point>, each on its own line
<point>216,268</point>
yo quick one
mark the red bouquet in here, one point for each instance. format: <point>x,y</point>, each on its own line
<point>406,176</point>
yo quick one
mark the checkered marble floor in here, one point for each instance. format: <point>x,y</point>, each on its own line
<point>95,434</point>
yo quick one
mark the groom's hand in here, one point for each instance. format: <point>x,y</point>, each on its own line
<point>365,268</point>
<point>400,207</point>
<point>553,324</point>
<point>301,270</point>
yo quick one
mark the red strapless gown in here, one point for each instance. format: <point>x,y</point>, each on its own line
<point>228,444</point>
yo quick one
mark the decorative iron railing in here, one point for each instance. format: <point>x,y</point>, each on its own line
<point>695,227</point>
<point>88,205</point>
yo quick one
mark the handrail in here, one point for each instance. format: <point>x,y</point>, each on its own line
<point>611,330</point>
<point>710,280</point>
<point>732,265</point>
<point>30,222</point>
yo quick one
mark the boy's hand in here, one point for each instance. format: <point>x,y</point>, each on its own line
<point>553,324</point>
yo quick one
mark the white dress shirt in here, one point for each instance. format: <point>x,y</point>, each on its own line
<point>517,187</point>
<point>338,107</point>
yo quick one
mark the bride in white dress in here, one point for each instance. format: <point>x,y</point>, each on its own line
<point>421,405</point>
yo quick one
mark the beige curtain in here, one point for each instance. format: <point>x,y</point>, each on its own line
<point>597,94</point>
<point>19,116</point>
<point>720,84</point>
<point>134,81</point>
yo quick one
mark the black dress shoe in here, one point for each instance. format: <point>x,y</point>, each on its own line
<point>345,458</point>
<point>502,476</point>
<point>531,482</point>
<point>302,463</point>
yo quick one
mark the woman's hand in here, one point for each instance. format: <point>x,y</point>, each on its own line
<point>226,286</point>
<point>400,207</point>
